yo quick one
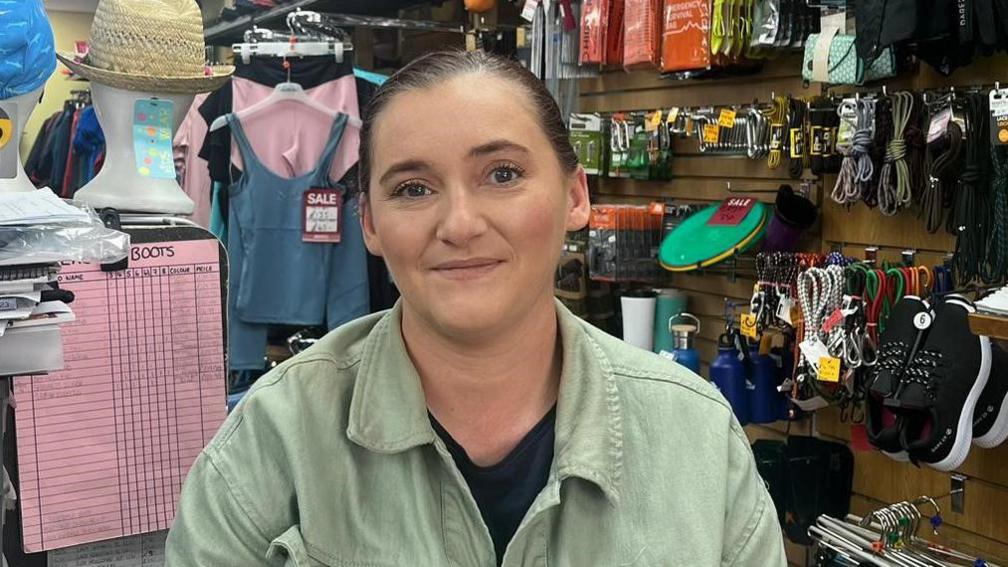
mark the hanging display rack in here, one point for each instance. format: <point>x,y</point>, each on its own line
<point>222,32</point>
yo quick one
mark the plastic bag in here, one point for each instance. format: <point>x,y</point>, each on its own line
<point>766,23</point>
<point>90,242</point>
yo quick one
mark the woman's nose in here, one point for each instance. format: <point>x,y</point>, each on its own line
<point>461,219</point>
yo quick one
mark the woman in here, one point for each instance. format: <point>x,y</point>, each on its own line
<point>477,423</point>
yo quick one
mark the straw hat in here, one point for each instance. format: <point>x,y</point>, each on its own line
<point>149,45</point>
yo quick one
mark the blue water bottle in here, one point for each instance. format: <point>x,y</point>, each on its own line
<point>764,399</point>
<point>729,375</point>
<point>682,341</point>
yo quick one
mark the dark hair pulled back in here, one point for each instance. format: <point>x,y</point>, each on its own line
<point>434,68</point>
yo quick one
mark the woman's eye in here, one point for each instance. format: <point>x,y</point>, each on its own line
<point>412,191</point>
<point>505,174</point>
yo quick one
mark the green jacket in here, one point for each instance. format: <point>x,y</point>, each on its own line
<point>330,460</point>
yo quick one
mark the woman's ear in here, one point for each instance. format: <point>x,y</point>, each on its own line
<point>578,203</point>
<point>367,224</point>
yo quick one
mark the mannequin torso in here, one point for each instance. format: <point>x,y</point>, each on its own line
<point>19,109</point>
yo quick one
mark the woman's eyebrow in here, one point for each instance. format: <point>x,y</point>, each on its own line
<point>497,146</point>
<point>404,167</point>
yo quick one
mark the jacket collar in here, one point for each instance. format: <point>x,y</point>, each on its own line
<point>388,410</point>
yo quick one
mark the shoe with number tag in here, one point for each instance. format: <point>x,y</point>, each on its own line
<point>941,388</point>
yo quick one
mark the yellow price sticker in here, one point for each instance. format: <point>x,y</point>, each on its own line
<point>673,113</point>
<point>748,325</point>
<point>711,133</point>
<point>653,121</point>
<point>727,118</point>
<point>829,369</point>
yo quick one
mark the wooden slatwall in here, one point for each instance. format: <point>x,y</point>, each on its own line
<point>700,178</point>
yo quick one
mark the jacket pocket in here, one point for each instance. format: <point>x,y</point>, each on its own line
<point>290,546</point>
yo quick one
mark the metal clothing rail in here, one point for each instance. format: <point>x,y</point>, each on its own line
<point>221,31</point>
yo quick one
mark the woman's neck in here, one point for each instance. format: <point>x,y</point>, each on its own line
<point>489,394</point>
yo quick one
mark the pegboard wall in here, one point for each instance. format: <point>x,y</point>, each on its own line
<point>700,178</point>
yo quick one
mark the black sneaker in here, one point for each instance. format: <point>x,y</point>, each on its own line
<point>941,387</point>
<point>903,334</point>
<point>883,427</point>
<point>898,341</point>
<point>990,418</point>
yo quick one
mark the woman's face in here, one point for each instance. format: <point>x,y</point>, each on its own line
<point>468,203</point>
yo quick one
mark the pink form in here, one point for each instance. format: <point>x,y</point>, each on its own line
<point>104,445</point>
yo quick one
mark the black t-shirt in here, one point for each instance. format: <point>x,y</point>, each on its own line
<point>505,491</point>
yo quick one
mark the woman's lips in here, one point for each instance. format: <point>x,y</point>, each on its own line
<point>462,270</point>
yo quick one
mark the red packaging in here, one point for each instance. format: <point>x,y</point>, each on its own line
<point>614,34</point>
<point>686,35</point>
<point>642,34</point>
<point>594,19</point>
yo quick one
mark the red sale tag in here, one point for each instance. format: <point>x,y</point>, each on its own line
<point>322,215</point>
<point>732,211</point>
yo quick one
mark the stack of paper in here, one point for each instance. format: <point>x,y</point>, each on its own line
<point>31,308</point>
<point>38,207</point>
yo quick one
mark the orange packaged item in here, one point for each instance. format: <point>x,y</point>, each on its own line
<point>686,35</point>
<point>641,34</point>
<point>614,34</point>
<point>594,17</point>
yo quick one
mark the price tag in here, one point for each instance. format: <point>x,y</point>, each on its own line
<point>848,123</point>
<point>732,211</point>
<point>8,156</point>
<point>813,349</point>
<point>939,124</point>
<point>673,113</point>
<point>152,138</point>
<point>776,136</point>
<point>529,10</point>
<point>322,215</point>
<point>784,310</point>
<point>797,143</point>
<point>653,121</point>
<point>711,133</point>
<point>8,304</point>
<point>727,118</point>
<point>748,325</point>
<point>829,369</point>
<point>999,117</point>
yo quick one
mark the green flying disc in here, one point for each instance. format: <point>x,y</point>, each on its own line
<point>697,244</point>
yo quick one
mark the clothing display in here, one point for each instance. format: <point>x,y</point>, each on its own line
<point>621,460</point>
<point>68,150</point>
<point>314,283</point>
<point>190,168</point>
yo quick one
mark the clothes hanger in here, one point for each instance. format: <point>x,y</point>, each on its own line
<point>286,91</point>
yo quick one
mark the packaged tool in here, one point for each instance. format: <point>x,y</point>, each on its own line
<point>642,34</point>
<point>586,136</point>
<point>685,42</point>
<point>594,22</point>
